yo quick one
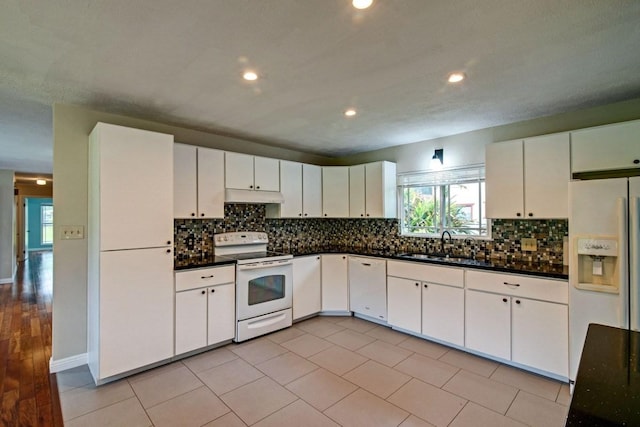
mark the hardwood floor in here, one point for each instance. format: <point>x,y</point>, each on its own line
<point>28,392</point>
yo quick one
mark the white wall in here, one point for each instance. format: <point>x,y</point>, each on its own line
<point>71,128</point>
<point>7,247</point>
<point>468,148</point>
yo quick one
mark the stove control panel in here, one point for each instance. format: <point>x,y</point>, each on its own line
<point>240,238</point>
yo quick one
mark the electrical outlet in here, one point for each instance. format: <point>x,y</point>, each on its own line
<point>529,244</point>
<point>68,232</point>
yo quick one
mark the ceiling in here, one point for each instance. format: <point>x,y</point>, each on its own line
<point>181,63</point>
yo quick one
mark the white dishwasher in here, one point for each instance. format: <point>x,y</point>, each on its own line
<point>368,287</point>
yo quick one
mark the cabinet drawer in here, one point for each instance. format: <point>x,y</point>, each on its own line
<point>426,273</point>
<point>520,286</point>
<point>203,277</point>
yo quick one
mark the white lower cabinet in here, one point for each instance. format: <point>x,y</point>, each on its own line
<point>191,320</point>
<point>204,307</point>
<point>422,305</point>
<point>519,318</point>
<point>488,324</point>
<point>404,303</point>
<point>307,298</point>
<point>538,337</point>
<point>443,313</point>
<point>335,283</point>
<point>368,287</point>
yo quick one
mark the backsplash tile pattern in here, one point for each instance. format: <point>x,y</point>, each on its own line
<point>194,237</point>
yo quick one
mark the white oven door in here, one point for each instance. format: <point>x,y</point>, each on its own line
<point>263,287</point>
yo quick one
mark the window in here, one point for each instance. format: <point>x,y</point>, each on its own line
<point>46,221</point>
<point>453,200</point>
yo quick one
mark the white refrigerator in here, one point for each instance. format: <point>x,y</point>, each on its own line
<point>604,257</point>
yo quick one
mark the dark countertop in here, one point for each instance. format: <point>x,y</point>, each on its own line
<point>607,390</point>
<point>188,263</point>
<point>504,266</point>
<point>518,267</point>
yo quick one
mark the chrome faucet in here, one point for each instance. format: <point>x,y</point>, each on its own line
<point>442,240</point>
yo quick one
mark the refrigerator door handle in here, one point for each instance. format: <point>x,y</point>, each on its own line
<point>634,262</point>
<point>623,233</point>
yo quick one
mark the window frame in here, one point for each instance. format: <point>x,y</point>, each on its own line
<point>44,224</point>
<point>444,179</point>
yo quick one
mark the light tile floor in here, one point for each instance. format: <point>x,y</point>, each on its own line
<point>325,371</point>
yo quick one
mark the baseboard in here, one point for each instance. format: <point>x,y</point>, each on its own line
<point>67,363</point>
<point>5,281</point>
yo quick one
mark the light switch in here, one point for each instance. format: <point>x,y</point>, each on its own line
<point>529,244</point>
<point>68,232</point>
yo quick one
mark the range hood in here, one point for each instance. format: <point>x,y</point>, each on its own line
<point>252,196</point>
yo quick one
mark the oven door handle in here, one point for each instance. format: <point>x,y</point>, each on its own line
<point>267,264</point>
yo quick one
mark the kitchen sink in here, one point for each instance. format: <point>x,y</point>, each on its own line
<point>442,258</point>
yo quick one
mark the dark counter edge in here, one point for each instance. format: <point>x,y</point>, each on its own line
<point>531,269</point>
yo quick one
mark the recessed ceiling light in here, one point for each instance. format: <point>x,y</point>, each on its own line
<point>361,4</point>
<point>350,112</point>
<point>456,77</point>
<point>250,75</point>
<point>41,182</point>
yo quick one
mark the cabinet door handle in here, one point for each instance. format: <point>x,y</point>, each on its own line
<point>193,214</point>
<point>251,186</point>
<point>511,284</point>
<point>518,214</point>
<point>168,251</point>
<point>257,187</point>
<point>504,300</point>
<point>202,214</point>
<point>168,242</point>
<point>213,290</point>
<point>305,214</point>
<point>206,277</point>
<point>204,292</point>
<point>636,161</point>
<point>517,301</point>
<point>426,286</point>
<point>366,264</point>
<point>530,213</point>
<point>417,284</point>
<point>299,214</point>
<point>367,214</point>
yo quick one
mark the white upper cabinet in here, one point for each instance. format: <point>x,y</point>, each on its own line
<point>132,172</point>
<point>198,182</point>
<point>238,169</point>
<point>547,176</point>
<point>301,187</point>
<point>504,180</point>
<point>210,183</point>
<point>291,188</point>
<point>528,178</point>
<point>266,174</point>
<point>246,172</point>
<point>311,191</point>
<point>380,186</point>
<point>335,191</point>
<point>372,190</point>
<point>357,202</point>
<point>185,181</point>
<point>610,147</point>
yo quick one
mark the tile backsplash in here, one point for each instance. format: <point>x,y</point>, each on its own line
<point>194,237</point>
